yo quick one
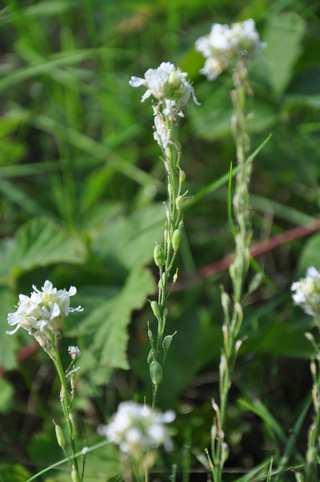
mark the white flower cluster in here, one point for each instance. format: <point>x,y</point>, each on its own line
<point>137,429</point>
<point>41,310</point>
<point>225,44</point>
<point>306,292</point>
<point>171,89</point>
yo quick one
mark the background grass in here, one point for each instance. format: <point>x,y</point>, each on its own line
<point>81,191</point>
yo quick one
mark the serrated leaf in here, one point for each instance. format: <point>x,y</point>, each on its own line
<point>39,243</point>
<point>131,239</point>
<point>283,38</point>
<point>109,323</point>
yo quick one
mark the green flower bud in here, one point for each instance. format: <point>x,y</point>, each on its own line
<point>158,256</point>
<point>60,436</point>
<point>176,239</point>
<point>155,372</point>
<point>156,310</point>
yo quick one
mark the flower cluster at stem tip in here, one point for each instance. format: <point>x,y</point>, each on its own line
<point>225,44</point>
<point>306,292</point>
<point>40,313</point>
<point>137,429</point>
<point>171,90</point>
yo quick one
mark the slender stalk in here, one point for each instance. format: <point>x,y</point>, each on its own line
<point>164,256</point>
<point>313,447</point>
<point>66,404</point>
<point>232,306</point>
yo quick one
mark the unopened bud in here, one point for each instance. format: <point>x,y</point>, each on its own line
<point>179,202</point>
<point>158,256</point>
<point>182,176</point>
<point>150,356</point>
<point>155,373</point>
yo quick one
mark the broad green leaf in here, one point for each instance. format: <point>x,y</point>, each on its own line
<point>13,473</point>
<point>283,38</point>
<point>108,324</point>
<point>39,243</point>
<point>6,395</point>
<point>130,240</point>
<point>310,255</point>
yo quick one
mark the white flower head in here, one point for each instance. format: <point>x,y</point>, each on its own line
<point>74,352</point>
<point>166,84</point>
<point>137,429</point>
<point>42,310</point>
<point>306,292</point>
<point>225,44</point>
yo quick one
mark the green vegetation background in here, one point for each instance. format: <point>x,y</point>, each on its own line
<point>81,191</point>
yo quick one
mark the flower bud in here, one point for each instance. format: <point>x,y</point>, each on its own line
<point>182,176</point>
<point>176,239</point>
<point>155,372</point>
<point>60,436</point>
<point>158,256</point>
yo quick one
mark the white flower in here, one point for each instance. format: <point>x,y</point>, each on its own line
<point>225,44</point>
<point>306,292</point>
<point>42,309</point>
<point>137,428</point>
<point>74,352</point>
<point>167,84</point>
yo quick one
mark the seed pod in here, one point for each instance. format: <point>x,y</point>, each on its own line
<point>73,424</point>
<point>60,436</point>
<point>156,310</point>
<point>176,239</point>
<point>158,256</point>
<point>155,373</point>
<point>182,176</point>
<point>74,475</point>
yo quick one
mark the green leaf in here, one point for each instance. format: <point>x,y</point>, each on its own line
<point>6,395</point>
<point>310,255</point>
<point>39,243</point>
<point>109,322</point>
<point>257,407</point>
<point>13,473</point>
<point>283,46</point>
<point>130,240</point>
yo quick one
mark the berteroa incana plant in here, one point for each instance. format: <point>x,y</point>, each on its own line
<point>139,432</point>
<point>231,48</point>
<point>306,294</point>
<point>42,314</point>
<point>170,91</point>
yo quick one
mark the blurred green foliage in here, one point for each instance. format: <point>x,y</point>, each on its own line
<point>81,203</point>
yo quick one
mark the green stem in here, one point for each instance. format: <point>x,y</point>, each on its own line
<point>67,411</point>
<point>239,267</point>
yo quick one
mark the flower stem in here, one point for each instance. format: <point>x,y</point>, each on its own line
<point>165,255</point>
<point>232,306</point>
<point>66,404</point>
